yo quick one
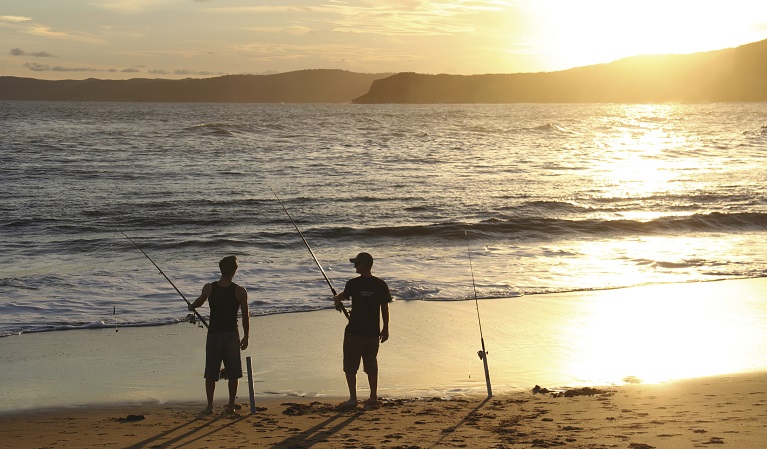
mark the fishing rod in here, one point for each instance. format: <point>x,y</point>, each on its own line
<point>342,308</point>
<point>199,317</point>
<point>483,353</point>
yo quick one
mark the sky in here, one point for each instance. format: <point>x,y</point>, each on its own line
<point>120,39</point>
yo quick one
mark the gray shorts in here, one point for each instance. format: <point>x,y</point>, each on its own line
<point>223,347</point>
<point>356,348</point>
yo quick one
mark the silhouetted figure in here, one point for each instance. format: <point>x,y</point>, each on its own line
<point>370,306</point>
<point>223,342</point>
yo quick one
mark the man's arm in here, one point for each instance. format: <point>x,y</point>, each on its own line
<point>385,316</point>
<point>242,297</point>
<point>202,298</point>
<point>340,297</point>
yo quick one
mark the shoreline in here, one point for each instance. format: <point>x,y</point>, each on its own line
<point>688,413</point>
<point>647,334</point>
<point>531,294</point>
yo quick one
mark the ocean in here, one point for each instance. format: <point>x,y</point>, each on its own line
<point>543,197</point>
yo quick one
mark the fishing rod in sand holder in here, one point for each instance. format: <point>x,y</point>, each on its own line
<point>483,353</point>
<point>342,308</point>
<point>196,313</point>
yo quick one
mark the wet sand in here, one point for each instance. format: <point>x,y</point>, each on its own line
<point>679,365</point>
<point>644,334</point>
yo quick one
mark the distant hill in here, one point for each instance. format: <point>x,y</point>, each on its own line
<point>304,86</point>
<point>732,75</point>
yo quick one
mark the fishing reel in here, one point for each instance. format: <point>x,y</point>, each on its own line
<point>192,318</point>
<point>481,355</point>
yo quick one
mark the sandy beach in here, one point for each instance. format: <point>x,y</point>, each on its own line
<point>677,365</point>
<point>729,410</point>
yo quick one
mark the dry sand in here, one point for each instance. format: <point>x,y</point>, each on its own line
<point>728,411</point>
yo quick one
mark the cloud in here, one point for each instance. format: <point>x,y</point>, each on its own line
<point>130,70</point>
<point>44,31</point>
<point>185,72</point>
<point>73,69</point>
<point>25,25</point>
<point>412,17</point>
<point>45,68</point>
<point>295,30</point>
<point>37,67</point>
<point>39,54</point>
<point>393,17</point>
<point>270,9</point>
<point>133,6</point>
<point>14,19</point>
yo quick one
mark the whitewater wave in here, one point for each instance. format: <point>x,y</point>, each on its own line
<point>529,227</point>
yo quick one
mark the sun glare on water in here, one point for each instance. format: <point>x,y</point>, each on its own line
<point>660,332</point>
<point>631,161</point>
<point>650,339</point>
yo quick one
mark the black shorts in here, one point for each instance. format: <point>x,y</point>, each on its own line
<point>356,348</point>
<point>223,347</point>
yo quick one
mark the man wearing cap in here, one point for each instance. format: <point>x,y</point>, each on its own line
<point>370,305</point>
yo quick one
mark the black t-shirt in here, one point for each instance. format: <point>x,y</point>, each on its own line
<point>223,308</point>
<point>367,294</point>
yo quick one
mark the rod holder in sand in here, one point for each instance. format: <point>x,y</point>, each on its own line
<point>248,361</point>
<point>483,353</point>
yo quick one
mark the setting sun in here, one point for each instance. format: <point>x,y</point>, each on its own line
<point>571,34</point>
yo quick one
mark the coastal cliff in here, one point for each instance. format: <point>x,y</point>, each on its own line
<point>732,75</point>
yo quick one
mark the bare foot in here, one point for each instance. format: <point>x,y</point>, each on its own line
<point>347,405</point>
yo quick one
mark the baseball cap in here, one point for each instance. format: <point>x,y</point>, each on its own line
<point>362,258</point>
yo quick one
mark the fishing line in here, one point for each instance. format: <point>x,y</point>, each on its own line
<point>341,307</point>
<point>196,313</point>
<point>114,292</point>
<point>469,361</point>
<point>483,353</point>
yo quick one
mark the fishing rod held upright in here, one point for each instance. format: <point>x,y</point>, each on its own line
<point>483,353</point>
<point>199,317</point>
<point>341,308</point>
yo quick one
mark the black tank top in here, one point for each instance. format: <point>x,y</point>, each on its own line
<point>223,308</point>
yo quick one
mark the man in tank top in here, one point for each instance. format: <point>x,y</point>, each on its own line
<point>370,305</point>
<point>225,299</point>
